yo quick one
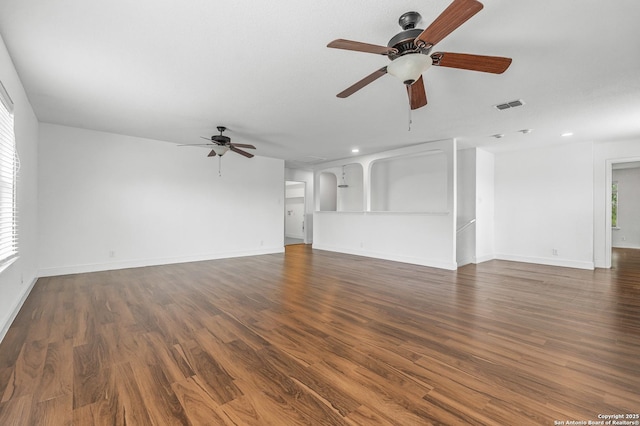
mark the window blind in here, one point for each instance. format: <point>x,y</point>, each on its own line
<point>8,177</point>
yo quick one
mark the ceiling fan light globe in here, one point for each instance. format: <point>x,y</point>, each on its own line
<point>221,149</point>
<point>408,68</point>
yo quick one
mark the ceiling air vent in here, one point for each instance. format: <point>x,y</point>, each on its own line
<point>512,104</point>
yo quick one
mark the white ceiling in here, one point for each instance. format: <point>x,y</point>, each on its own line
<point>173,70</point>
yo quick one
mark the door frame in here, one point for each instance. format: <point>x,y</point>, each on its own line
<point>608,182</point>
<point>304,208</point>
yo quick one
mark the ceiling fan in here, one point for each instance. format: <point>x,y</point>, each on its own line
<point>220,144</point>
<point>410,51</point>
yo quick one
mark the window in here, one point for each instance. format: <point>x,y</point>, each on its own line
<point>614,204</point>
<point>8,176</point>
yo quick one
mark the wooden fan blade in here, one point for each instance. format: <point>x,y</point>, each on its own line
<point>241,152</point>
<point>208,139</point>
<point>465,61</point>
<point>196,144</point>
<point>453,16</point>
<point>361,47</point>
<point>212,153</point>
<point>417,94</point>
<point>243,145</point>
<point>359,85</point>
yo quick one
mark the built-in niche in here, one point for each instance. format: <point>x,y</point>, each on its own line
<point>350,193</point>
<point>416,183</point>
<point>341,189</point>
<point>328,188</point>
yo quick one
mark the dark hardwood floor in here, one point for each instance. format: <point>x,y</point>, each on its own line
<point>320,338</point>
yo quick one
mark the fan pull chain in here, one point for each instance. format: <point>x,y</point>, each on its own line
<point>409,114</point>
<point>219,166</point>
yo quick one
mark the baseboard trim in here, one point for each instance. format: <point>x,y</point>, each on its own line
<point>631,246</point>
<point>452,266</point>
<point>296,236</point>
<point>466,261</point>
<point>565,263</point>
<point>97,267</point>
<point>485,258</point>
<point>16,309</point>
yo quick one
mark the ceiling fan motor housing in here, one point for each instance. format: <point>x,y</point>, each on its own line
<point>403,41</point>
<point>221,140</point>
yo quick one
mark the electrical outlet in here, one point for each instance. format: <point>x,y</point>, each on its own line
<point>112,253</point>
<point>555,251</point>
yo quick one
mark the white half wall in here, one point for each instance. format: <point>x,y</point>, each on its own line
<point>110,201</point>
<point>421,237</point>
<point>17,279</point>
<point>544,205</point>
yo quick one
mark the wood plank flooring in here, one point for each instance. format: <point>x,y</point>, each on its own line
<point>319,338</point>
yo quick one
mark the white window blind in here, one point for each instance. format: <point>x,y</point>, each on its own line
<point>8,177</point>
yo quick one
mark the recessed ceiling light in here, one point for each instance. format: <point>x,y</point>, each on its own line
<point>498,136</point>
<point>525,131</point>
<point>567,134</point>
<point>355,150</point>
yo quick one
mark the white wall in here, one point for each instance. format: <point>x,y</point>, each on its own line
<point>17,280</point>
<point>627,234</point>
<point>544,201</point>
<point>419,237</point>
<point>485,206</point>
<point>110,201</point>
<point>466,208</point>
<point>301,175</point>
<point>475,241</point>
<point>294,189</point>
<point>605,154</point>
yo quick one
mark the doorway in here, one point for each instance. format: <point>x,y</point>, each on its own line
<point>294,212</point>
<point>623,206</point>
